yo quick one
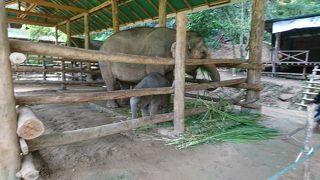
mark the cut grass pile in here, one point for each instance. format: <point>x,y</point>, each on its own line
<point>221,123</point>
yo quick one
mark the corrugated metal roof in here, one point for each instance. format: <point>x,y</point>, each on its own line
<point>130,11</point>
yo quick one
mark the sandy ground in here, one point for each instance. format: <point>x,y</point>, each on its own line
<point>119,157</point>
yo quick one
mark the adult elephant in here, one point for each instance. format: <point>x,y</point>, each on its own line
<point>156,42</point>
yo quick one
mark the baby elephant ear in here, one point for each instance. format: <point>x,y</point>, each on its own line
<point>173,49</point>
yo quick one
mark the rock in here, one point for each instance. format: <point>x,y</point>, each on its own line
<point>286,97</point>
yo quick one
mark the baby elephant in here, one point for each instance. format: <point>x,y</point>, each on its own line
<point>150,105</point>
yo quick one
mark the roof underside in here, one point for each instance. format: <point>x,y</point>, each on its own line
<point>54,12</point>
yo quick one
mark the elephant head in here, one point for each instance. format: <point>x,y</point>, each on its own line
<point>197,49</point>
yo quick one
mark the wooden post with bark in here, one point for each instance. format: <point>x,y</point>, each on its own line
<point>56,35</point>
<point>9,145</point>
<point>162,13</point>
<point>68,29</point>
<point>255,48</point>
<point>87,38</point>
<point>179,72</point>
<point>115,16</point>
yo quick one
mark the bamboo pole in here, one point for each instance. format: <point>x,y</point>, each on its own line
<point>9,146</point>
<point>115,15</point>
<point>179,72</point>
<point>79,135</point>
<point>162,13</point>
<point>61,98</point>
<point>255,47</point>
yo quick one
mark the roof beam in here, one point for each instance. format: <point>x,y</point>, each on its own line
<point>36,14</point>
<point>29,8</point>
<point>54,5</point>
<point>188,4</point>
<point>11,2</point>
<point>25,21</point>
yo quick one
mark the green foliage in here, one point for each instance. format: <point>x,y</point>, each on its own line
<point>36,32</point>
<point>101,36</point>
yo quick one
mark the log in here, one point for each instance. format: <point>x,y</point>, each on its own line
<point>179,72</point>
<point>84,55</point>
<point>60,98</point>
<point>28,170</point>
<point>79,135</point>
<point>255,47</point>
<point>23,146</point>
<point>29,126</point>
<point>9,147</point>
<point>17,58</point>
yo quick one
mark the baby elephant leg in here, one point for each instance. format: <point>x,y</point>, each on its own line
<point>144,111</point>
<point>154,105</point>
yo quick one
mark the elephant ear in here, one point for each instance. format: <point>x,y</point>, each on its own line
<point>173,49</point>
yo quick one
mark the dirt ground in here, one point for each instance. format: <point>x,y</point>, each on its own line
<point>144,157</point>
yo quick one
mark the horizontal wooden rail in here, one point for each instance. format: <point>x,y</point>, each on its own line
<point>94,56</point>
<point>68,137</point>
<point>58,82</point>
<point>51,70</point>
<point>57,98</point>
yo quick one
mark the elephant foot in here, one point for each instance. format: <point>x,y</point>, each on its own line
<point>112,104</point>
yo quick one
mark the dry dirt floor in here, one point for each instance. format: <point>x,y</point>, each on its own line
<point>144,157</point>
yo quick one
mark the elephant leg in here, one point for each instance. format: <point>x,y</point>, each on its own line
<point>154,105</point>
<point>124,102</point>
<point>110,82</point>
<point>213,72</point>
<point>165,101</point>
<point>144,111</point>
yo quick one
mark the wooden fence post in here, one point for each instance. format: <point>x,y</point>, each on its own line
<point>255,51</point>
<point>115,16</point>
<point>179,81</point>
<point>275,58</point>
<point>162,13</point>
<point>9,145</point>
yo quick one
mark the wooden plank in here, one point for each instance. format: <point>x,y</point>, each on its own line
<point>31,22</point>
<point>62,98</point>
<point>255,47</point>
<point>55,5</point>
<point>9,146</point>
<point>179,72</point>
<point>79,135</point>
<point>36,14</point>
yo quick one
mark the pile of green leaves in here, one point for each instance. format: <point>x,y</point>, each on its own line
<point>221,123</point>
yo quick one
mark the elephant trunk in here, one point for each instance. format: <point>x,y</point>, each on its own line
<point>213,72</point>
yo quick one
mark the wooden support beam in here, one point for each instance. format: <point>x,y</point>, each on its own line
<point>28,9</point>
<point>162,13</point>
<point>86,31</point>
<point>179,72</point>
<point>36,14</point>
<point>68,29</point>
<point>59,82</point>
<point>51,70</point>
<point>186,2</point>
<point>115,16</point>
<point>255,47</point>
<point>31,22</point>
<point>62,98</point>
<point>55,5</point>
<point>56,35</point>
<point>9,146</point>
<point>28,170</point>
<point>63,76</point>
<point>171,7</point>
<point>275,58</point>
<point>79,135</point>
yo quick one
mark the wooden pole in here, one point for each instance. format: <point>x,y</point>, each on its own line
<point>9,146</point>
<point>115,16</point>
<point>63,76</point>
<point>68,27</point>
<point>162,13</point>
<point>57,35</point>
<point>79,135</point>
<point>275,58</point>
<point>86,31</point>
<point>255,54</point>
<point>179,72</point>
